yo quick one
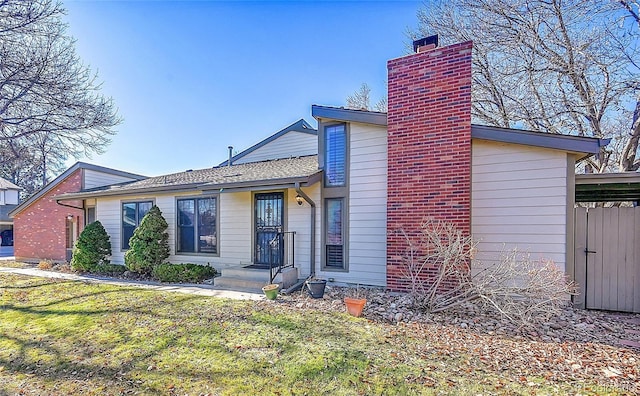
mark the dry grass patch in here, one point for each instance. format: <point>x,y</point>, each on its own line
<point>59,337</point>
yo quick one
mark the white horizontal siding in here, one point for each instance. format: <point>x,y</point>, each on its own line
<point>367,234</point>
<point>108,212</point>
<point>93,179</point>
<point>291,144</point>
<point>519,201</point>
<point>235,227</point>
<point>299,220</point>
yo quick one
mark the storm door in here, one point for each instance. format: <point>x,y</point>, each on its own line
<point>269,217</point>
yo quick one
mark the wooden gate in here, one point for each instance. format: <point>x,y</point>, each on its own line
<point>607,258</point>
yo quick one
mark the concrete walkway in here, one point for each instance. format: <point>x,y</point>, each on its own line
<point>197,289</point>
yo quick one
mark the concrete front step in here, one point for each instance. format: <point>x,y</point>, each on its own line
<point>242,279</point>
<point>250,274</point>
<point>249,279</point>
<point>237,284</point>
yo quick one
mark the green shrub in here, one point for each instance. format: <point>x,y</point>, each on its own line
<point>149,245</point>
<point>179,273</point>
<point>92,248</point>
<point>109,269</point>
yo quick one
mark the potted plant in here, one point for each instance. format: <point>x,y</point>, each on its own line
<point>271,291</point>
<point>316,287</point>
<point>355,303</point>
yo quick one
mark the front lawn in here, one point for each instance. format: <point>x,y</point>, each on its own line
<point>59,337</point>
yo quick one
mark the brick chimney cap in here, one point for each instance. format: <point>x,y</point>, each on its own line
<point>425,41</point>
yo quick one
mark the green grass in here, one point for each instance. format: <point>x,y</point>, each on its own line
<point>59,337</point>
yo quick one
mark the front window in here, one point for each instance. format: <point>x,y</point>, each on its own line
<point>334,237</point>
<point>197,225</point>
<point>132,214</point>
<point>91,215</point>
<point>335,147</point>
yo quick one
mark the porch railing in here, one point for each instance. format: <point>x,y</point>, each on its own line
<point>283,253</point>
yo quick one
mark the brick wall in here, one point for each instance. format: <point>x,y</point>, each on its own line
<point>39,230</point>
<point>429,142</point>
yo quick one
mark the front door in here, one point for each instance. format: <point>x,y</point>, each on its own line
<point>269,215</point>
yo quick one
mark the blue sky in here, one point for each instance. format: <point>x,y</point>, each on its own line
<point>191,78</point>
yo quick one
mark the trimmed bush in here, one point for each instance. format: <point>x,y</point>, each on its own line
<point>149,245</point>
<point>109,269</point>
<point>92,248</point>
<point>178,273</point>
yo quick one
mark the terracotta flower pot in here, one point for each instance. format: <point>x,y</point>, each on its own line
<point>355,305</point>
<point>271,291</point>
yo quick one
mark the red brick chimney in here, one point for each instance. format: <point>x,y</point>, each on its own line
<point>429,143</point>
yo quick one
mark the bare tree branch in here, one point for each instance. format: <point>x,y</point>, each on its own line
<point>51,107</point>
<point>550,66</point>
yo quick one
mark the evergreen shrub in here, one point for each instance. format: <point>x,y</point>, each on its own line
<point>92,248</point>
<point>183,273</point>
<point>149,245</point>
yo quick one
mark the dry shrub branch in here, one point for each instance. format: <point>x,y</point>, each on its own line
<point>523,290</point>
<point>437,266</point>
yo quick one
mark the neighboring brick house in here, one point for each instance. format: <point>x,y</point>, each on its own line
<point>373,173</point>
<point>47,229</point>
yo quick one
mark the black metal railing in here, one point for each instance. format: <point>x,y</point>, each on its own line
<point>282,253</point>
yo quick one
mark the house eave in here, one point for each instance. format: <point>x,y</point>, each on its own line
<point>136,191</point>
<point>582,146</point>
<point>204,187</point>
<point>349,115</point>
<point>579,145</point>
<point>608,187</point>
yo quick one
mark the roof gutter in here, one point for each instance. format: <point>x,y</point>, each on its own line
<point>137,191</point>
<point>312,255</point>
<point>70,206</point>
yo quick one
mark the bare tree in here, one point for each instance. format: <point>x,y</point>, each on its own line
<point>552,66</point>
<point>361,100</point>
<point>51,107</point>
<point>631,28</point>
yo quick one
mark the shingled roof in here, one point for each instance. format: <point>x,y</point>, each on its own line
<point>264,173</point>
<point>7,185</point>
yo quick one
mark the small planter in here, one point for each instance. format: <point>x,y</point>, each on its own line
<point>355,305</point>
<point>316,287</point>
<point>271,291</point>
